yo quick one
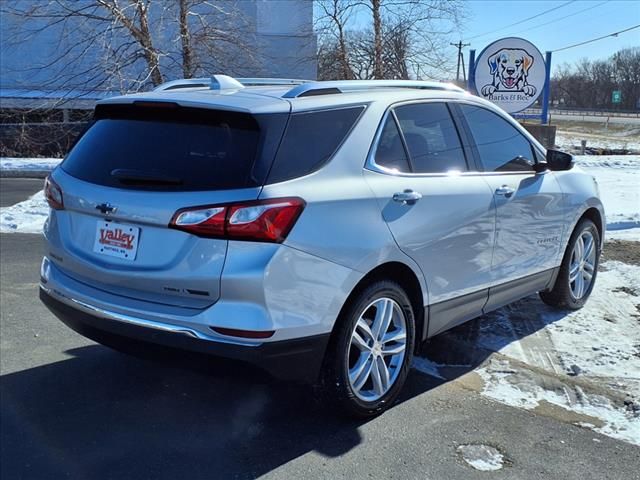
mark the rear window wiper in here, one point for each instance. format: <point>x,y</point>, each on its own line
<point>139,177</point>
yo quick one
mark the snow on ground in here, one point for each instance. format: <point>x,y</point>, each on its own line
<point>598,136</point>
<point>618,178</point>
<point>482,457</point>
<point>608,161</point>
<point>519,388</point>
<point>572,140</point>
<point>31,164</point>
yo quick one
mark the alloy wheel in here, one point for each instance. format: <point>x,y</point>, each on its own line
<point>583,265</point>
<point>377,349</point>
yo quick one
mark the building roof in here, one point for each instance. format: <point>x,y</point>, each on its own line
<point>24,98</point>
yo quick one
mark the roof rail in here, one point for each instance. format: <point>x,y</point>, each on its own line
<point>215,82</point>
<point>183,83</point>
<point>341,86</point>
<point>247,82</point>
<point>219,82</point>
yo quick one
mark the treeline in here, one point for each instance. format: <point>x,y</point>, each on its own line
<point>590,83</point>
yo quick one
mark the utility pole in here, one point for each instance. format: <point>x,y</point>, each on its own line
<point>460,46</point>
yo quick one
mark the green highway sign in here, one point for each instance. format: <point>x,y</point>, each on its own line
<point>616,96</point>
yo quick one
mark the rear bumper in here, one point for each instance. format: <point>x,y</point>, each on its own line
<point>296,359</point>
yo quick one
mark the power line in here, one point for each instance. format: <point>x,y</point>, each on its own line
<point>566,16</point>
<point>522,21</point>
<point>615,34</point>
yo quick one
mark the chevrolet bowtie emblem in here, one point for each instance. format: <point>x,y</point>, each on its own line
<point>106,208</point>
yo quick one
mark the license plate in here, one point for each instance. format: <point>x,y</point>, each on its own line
<point>116,240</point>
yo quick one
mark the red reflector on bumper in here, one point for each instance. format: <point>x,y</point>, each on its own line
<point>232,332</point>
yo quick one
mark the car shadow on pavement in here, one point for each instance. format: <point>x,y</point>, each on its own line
<point>467,346</point>
<point>102,414</point>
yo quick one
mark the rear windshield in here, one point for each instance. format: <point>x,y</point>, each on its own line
<point>174,148</point>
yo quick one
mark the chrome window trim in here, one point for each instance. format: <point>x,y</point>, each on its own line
<point>371,165</point>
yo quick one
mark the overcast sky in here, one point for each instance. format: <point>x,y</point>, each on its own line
<point>586,19</point>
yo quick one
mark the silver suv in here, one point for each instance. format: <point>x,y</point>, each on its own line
<point>320,230</point>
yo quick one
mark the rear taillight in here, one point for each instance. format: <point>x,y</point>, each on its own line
<point>53,194</point>
<point>262,221</point>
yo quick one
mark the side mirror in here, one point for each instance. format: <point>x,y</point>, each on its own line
<point>558,161</point>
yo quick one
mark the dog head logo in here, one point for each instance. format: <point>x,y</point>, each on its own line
<point>509,68</point>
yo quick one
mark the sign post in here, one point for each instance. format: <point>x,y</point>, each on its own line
<point>544,117</point>
<point>471,86</point>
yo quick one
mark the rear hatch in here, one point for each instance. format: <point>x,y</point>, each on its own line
<point>126,178</point>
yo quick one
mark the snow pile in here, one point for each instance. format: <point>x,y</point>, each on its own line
<point>520,388</point>
<point>30,164</point>
<point>482,457</point>
<point>25,217</point>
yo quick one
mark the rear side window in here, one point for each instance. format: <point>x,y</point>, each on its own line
<point>310,140</point>
<point>169,149</point>
<point>390,152</point>
<point>431,138</point>
<point>501,147</point>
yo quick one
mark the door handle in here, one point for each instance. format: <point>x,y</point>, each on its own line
<point>408,197</point>
<point>505,190</point>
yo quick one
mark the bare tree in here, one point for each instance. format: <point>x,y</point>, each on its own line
<point>412,34</point>
<point>137,25</point>
<point>333,21</point>
<point>375,5</point>
<point>106,44</point>
<point>185,39</point>
<point>394,42</point>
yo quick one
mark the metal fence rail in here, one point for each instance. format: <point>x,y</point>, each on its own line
<point>38,139</point>
<point>586,112</point>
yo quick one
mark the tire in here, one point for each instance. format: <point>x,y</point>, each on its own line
<point>565,293</point>
<point>346,351</point>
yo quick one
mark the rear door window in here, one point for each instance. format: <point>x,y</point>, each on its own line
<point>172,149</point>
<point>390,152</point>
<point>310,140</point>
<point>501,147</point>
<point>431,138</point>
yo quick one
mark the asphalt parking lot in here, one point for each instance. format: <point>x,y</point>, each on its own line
<point>73,409</point>
<point>14,190</point>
